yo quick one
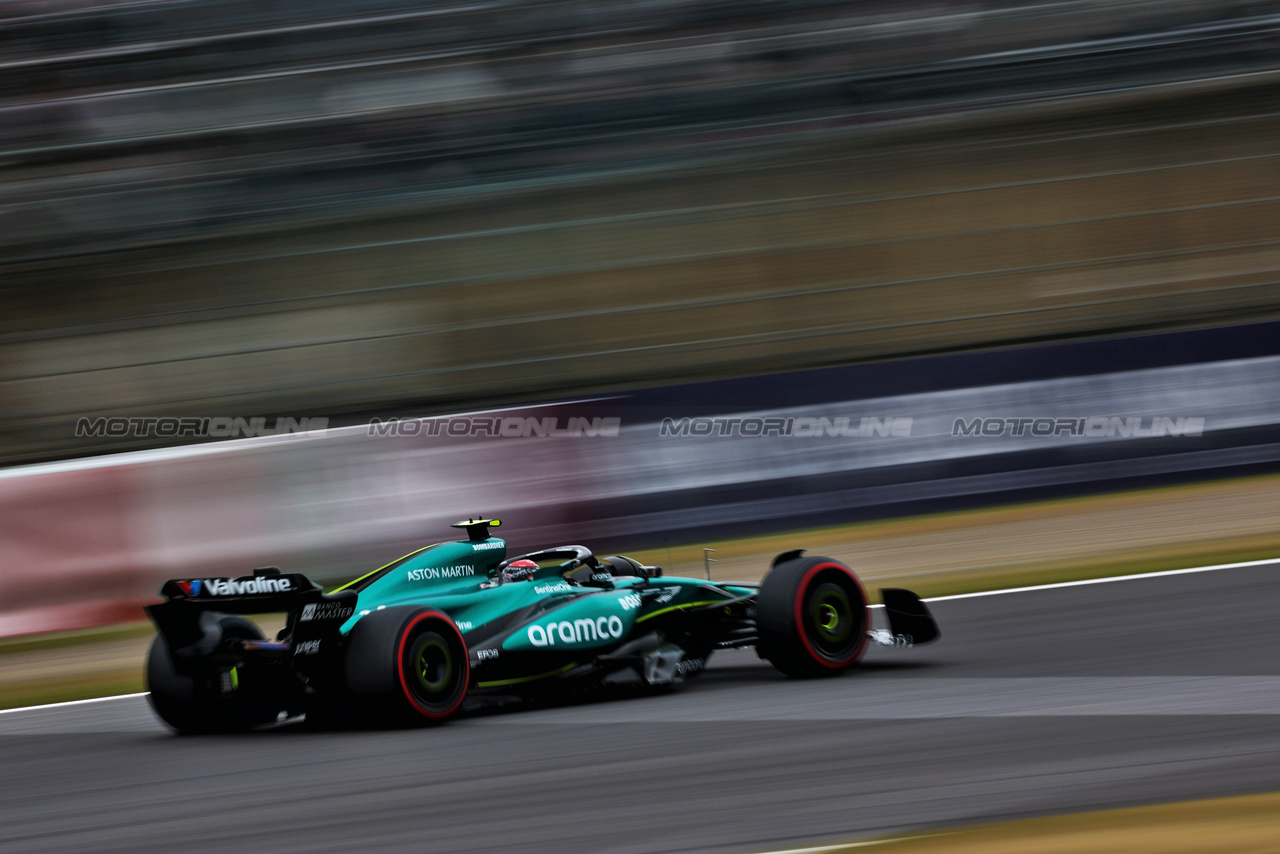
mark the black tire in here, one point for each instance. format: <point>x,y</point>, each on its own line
<point>196,704</point>
<point>407,665</point>
<point>812,617</point>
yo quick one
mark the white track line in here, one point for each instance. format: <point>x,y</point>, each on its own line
<point>1109,579</point>
<point>70,703</point>
<point>1162,574</point>
<point>843,846</point>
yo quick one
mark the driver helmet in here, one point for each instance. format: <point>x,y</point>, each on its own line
<point>519,570</point>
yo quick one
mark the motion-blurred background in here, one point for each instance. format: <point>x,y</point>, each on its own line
<point>653,209</point>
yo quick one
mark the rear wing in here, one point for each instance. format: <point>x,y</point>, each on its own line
<point>312,612</point>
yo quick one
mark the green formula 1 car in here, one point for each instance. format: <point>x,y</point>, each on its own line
<point>460,621</point>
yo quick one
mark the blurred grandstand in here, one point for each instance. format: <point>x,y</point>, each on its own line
<point>224,207</point>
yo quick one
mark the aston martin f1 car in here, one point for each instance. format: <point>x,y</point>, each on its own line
<point>459,621</point>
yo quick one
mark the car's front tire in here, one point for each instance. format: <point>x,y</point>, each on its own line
<point>812,617</point>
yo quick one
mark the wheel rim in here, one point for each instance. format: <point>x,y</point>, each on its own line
<point>828,617</point>
<point>433,663</point>
<point>434,669</point>
<point>832,620</point>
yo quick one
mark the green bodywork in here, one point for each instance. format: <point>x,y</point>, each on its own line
<point>576,617</point>
<point>539,628</point>
<point>446,576</point>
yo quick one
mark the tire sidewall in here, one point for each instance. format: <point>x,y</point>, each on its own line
<point>814,577</point>
<point>376,672</point>
<point>433,622</point>
<point>783,637</point>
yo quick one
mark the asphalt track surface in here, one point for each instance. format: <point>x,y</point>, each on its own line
<point>1038,702</point>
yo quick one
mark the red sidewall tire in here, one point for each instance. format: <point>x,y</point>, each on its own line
<point>791,633</point>
<point>380,681</point>
<point>806,582</point>
<point>425,623</point>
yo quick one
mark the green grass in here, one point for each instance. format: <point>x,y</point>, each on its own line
<point>58,689</point>
<point>77,637</point>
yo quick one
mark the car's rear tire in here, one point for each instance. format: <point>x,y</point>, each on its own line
<point>812,617</point>
<point>194,704</point>
<point>406,665</point>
